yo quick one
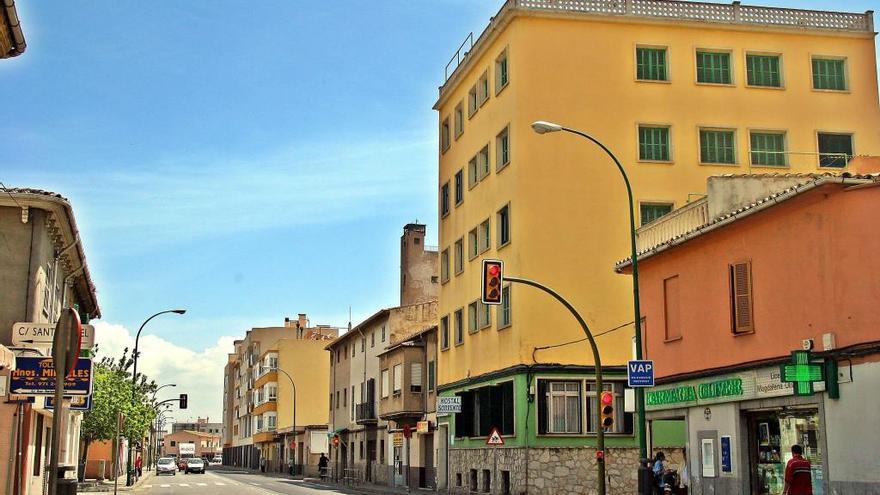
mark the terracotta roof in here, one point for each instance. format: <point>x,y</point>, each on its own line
<point>812,181</point>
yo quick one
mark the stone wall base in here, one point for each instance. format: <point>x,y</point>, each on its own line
<point>541,470</point>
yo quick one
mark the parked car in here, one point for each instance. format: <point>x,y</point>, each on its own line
<point>166,465</point>
<point>194,465</point>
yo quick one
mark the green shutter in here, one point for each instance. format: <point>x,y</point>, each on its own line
<point>829,74</point>
<point>654,143</point>
<point>713,67</point>
<point>768,149</point>
<point>651,64</point>
<point>763,70</point>
<point>717,147</point>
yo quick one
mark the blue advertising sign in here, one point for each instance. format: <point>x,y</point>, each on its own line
<point>77,403</point>
<point>36,376</point>
<point>640,373</point>
<point>726,462</point>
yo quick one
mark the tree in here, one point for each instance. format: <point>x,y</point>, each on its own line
<point>113,393</point>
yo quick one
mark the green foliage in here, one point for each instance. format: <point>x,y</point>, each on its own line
<point>113,393</point>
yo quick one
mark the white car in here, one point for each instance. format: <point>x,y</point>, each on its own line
<point>194,465</point>
<point>166,465</point>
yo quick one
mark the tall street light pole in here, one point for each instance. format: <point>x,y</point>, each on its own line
<point>152,449</point>
<point>137,338</point>
<point>542,127</point>
<point>292,385</point>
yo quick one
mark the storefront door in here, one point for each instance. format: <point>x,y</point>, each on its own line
<point>771,435</point>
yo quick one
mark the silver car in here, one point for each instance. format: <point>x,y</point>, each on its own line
<point>194,465</point>
<point>166,465</point>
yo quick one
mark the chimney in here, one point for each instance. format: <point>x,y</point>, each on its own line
<point>301,320</point>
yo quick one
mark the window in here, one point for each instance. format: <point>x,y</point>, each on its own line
<point>398,378</point>
<point>671,308</point>
<point>337,399</point>
<point>383,333</point>
<point>503,222</point>
<point>444,200</point>
<point>483,88</point>
<point>623,421</point>
<point>484,235</point>
<point>652,211</point>
<point>459,120</point>
<point>473,249</point>
<point>502,76</point>
<point>415,377</point>
<point>458,256</point>
<point>373,339</point>
<point>432,376</point>
<point>472,317</point>
<point>459,326</point>
<point>504,316</point>
<point>473,176</point>
<point>713,67</point>
<point>444,266</point>
<point>502,148</point>
<point>561,405</point>
<point>363,345</point>
<point>763,70</point>
<point>484,408</point>
<point>485,315</point>
<point>717,146</point>
<point>651,64</point>
<point>829,73</point>
<point>741,297</point>
<point>835,150</point>
<point>654,143</point>
<point>459,187</point>
<point>345,397</point>
<point>483,163</point>
<point>353,349</point>
<point>767,148</point>
<point>444,135</point>
<point>173,442</point>
<point>444,332</point>
<point>473,102</point>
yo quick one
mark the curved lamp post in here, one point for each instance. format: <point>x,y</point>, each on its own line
<point>137,339</point>
<point>293,385</point>
<point>543,127</point>
<point>153,441</point>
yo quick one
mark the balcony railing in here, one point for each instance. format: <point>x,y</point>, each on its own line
<point>365,413</point>
<point>673,224</point>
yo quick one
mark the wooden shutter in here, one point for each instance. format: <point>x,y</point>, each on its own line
<point>741,297</point>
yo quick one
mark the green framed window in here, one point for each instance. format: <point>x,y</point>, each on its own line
<point>651,64</point>
<point>763,70</point>
<point>654,143</point>
<point>713,67</point>
<point>829,73</point>
<point>648,212</point>
<point>835,150</point>
<point>717,146</point>
<point>767,148</point>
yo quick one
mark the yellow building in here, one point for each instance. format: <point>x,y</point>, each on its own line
<point>679,92</point>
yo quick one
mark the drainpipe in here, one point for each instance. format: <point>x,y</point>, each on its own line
<point>63,252</point>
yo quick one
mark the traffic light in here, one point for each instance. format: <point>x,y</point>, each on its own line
<point>183,399</point>
<point>335,440</point>
<point>606,410</point>
<point>493,278</point>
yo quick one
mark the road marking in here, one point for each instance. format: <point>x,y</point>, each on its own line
<point>164,486</point>
<point>202,484</point>
<point>255,484</point>
<point>219,484</point>
<point>183,484</point>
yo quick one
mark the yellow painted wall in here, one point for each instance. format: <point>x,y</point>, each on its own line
<point>569,219</point>
<point>309,365</point>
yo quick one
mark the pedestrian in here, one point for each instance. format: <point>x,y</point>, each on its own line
<point>798,474</point>
<point>323,462</point>
<point>139,466</point>
<point>659,469</point>
<point>262,464</point>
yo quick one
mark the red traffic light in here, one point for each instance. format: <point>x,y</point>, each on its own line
<point>607,398</point>
<point>493,279</point>
<point>606,410</point>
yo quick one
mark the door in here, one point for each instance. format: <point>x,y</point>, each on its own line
<point>426,473</point>
<point>442,456</point>
<point>399,477</point>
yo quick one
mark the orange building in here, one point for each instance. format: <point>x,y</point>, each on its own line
<point>731,285</point>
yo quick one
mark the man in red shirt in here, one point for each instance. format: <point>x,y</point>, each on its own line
<point>798,476</point>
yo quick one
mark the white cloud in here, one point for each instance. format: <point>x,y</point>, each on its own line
<point>196,373</point>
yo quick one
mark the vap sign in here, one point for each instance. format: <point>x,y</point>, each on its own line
<point>24,333</point>
<point>640,373</point>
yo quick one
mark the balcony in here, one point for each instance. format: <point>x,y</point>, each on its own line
<point>268,377</point>
<point>365,414</point>
<point>266,406</point>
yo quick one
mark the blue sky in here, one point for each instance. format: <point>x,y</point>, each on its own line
<point>246,161</point>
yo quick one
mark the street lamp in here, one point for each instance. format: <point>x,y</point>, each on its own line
<point>137,338</point>
<point>152,452</point>
<point>543,127</point>
<point>163,386</point>
<point>293,385</point>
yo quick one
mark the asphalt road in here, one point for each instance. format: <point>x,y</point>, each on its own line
<point>227,483</point>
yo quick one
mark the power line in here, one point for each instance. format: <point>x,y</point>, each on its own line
<point>10,194</point>
<point>605,332</point>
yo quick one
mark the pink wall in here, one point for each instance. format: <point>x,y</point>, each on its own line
<point>815,269</point>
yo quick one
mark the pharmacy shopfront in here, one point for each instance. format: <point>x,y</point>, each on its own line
<point>740,429</point>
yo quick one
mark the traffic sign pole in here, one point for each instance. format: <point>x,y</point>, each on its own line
<point>67,329</point>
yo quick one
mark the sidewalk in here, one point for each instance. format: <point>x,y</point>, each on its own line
<point>360,489</point>
<point>107,485</point>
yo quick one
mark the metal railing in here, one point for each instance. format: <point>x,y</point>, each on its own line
<point>365,412</point>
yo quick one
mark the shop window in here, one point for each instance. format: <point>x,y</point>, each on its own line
<point>484,408</point>
<point>559,406</point>
<point>671,305</point>
<point>742,316</point>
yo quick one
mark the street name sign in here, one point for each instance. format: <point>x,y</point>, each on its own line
<point>43,333</point>
<point>36,376</point>
<point>449,405</point>
<point>640,373</point>
<point>494,438</point>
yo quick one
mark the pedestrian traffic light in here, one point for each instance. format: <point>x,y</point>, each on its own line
<point>183,399</point>
<point>606,410</point>
<point>493,278</point>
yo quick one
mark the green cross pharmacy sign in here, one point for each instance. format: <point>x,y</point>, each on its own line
<point>802,373</point>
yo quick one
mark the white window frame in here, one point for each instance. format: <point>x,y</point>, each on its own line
<point>570,389</point>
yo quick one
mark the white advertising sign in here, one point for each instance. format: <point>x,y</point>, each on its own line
<point>448,405</point>
<point>186,448</point>
<point>24,333</point>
